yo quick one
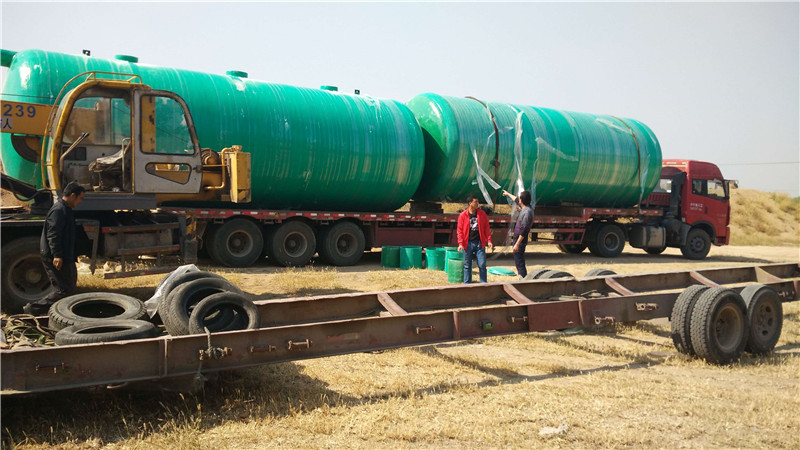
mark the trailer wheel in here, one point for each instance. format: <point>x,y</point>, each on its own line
<point>608,241</point>
<point>245,315</point>
<point>94,307</point>
<point>237,243</point>
<point>342,244</point>
<point>552,274</point>
<point>719,326</point>
<point>108,331</point>
<point>536,274</point>
<point>208,238</point>
<point>575,249</point>
<point>681,318</point>
<point>181,302</point>
<point>599,272</point>
<point>23,277</point>
<point>765,317</point>
<point>168,286</point>
<point>293,244</point>
<point>697,244</point>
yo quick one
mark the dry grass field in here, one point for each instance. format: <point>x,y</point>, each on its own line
<point>617,387</point>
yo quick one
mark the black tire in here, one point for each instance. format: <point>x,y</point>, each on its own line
<point>208,237</point>
<point>575,249</point>
<point>599,272</point>
<point>95,307</point>
<point>552,274</point>
<point>342,244</point>
<point>764,317</point>
<point>655,251</point>
<point>607,241</point>
<point>718,326</point>
<point>245,312</point>
<point>168,286</point>
<point>237,243</point>
<point>680,318</point>
<point>182,300</point>
<point>292,244</point>
<point>536,274</point>
<point>107,331</point>
<point>23,277</point>
<point>697,244</point>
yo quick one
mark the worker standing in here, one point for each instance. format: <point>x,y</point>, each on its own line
<point>57,247</point>
<point>473,236</point>
<point>521,229</point>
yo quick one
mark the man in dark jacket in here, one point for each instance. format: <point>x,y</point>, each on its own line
<point>521,229</point>
<point>57,247</point>
<point>474,235</point>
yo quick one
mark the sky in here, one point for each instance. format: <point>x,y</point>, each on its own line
<point>717,82</point>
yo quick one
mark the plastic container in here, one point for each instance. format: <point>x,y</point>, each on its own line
<point>455,270</point>
<point>410,257</point>
<point>435,258</point>
<point>451,254</point>
<point>390,256</point>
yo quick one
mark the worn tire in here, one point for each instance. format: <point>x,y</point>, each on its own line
<point>718,326</point>
<point>208,237</point>
<point>292,244</point>
<point>342,244</point>
<point>23,277</point>
<point>536,274</point>
<point>182,300</point>
<point>764,317</point>
<point>237,243</point>
<point>607,241</point>
<point>95,307</point>
<point>697,244</point>
<point>246,315</point>
<point>575,249</point>
<point>168,286</point>
<point>107,331</point>
<point>553,274</point>
<point>599,272</point>
<point>680,318</point>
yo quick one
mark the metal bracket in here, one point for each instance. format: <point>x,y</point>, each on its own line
<point>421,330</point>
<point>214,353</point>
<point>54,366</point>
<point>515,319</point>
<point>262,349</point>
<point>646,306</point>
<point>298,345</point>
<point>607,320</point>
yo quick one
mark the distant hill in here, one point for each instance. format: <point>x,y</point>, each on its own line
<point>764,218</point>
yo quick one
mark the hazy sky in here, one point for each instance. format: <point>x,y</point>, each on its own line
<point>715,81</point>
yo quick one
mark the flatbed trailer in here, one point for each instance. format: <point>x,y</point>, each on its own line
<point>314,327</point>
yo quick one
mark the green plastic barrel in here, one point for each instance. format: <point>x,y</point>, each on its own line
<point>450,248</point>
<point>410,257</point>
<point>310,148</point>
<point>390,256</point>
<point>560,156</point>
<point>455,270</point>
<point>435,258</point>
<point>451,254</point>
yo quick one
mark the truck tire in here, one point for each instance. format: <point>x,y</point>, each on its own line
<point>23,277</point>
<point>168,286</point>
<point>208,237</point>
<point>697,244</point>
<point>575,249</point>
<point>599,272</point>
<point>245,314</point>
<point>764,316</point>
<point>553,274</point>
<point>608,241</point>
<point>292,244</point>
<point>237,243</point>
<point>536,274</point>
<point>680,318</point>
<point>719,326</point>
<point>107,331</point>
<point>94,307</point>
<point>342,244</point>
<point>182,300</point>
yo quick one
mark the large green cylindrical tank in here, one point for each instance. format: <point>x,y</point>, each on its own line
<point>562,157</point>
<point>311,148</point>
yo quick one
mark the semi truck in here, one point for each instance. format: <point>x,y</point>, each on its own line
<point>315,171</point>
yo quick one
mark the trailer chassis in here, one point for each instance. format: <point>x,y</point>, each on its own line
<point>313,327</point>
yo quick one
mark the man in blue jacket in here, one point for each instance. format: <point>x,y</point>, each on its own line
<point>57,247</point>
<point>521,229</point>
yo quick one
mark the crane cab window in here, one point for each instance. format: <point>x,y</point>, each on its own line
<point>164,127</point>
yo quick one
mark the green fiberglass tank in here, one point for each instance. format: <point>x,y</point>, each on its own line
<point>473,147</point>
<point>311,148</point>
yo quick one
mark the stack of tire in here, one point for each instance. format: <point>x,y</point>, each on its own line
<point>193,303</point>
<point>197,301</point>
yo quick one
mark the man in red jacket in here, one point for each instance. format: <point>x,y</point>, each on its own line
<point>473,236</point>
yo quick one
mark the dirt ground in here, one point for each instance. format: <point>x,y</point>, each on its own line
<point>623,386</point>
